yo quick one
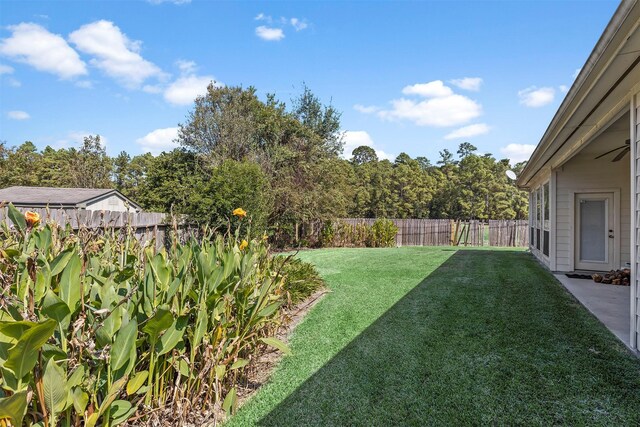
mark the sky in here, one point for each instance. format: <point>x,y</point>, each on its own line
<point>409,76</point>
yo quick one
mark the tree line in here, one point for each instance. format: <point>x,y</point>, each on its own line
<point>282,163</point>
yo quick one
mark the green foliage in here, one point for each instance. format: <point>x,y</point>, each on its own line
<point>301,279</point>
<point>115,327</point>
<point>282,162</point>
<point>382,234</point>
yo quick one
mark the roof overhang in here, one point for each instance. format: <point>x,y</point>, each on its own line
<point>598,96</point>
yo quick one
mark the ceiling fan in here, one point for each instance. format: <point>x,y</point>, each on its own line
<point>625,149</point>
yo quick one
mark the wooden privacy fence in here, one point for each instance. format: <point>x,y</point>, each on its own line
<point>447,232</point>
<point>145,225</point>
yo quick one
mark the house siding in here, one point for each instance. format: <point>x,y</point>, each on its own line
<point>112,203</point>
<point>635,248</point>
<point>585,174</point>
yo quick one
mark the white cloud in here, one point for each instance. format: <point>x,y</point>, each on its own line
<point>14,83</point>
<point>269,34</point>
<point>434,89</point>
<point>535,97</point>
<point>357,138</point>
<point>438,112</point>
<point>468,83</point>
<point>186,67</point>
<point>185,89</point>
<point>85,84</point>
<point>114,53</point>
<point>5,69</point>
<point>563,88</point>
<point>518,152</point>
<point>159,140</point>
<point>18,115</point>
<point>468,131</point>
<point>297,24</point>
<point>576,72</point>
<point>442,107</point>
<point>32,44</point>
<point>366,109</point>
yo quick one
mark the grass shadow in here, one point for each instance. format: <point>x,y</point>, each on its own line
<point>489,337</point>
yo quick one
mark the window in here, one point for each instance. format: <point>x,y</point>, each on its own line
<point>545,217</point>
<point>539,217</point>
<point>532,219</point>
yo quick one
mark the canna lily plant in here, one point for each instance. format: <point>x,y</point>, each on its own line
<point>96,328</point>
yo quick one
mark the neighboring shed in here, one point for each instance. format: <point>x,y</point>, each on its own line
<point>91,199</point>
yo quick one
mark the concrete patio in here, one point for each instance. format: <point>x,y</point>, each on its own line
<point>609,303</point>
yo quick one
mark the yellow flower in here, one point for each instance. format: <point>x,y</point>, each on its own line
<point>265,237</point>
<point>32,218</point>
<point>243,245</point>
<point>239,212</point>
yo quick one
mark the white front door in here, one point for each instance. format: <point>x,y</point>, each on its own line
<point>595,233</point>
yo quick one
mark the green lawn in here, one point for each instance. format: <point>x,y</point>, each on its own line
<point>431,336</point>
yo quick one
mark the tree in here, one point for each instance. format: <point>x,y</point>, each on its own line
<point>223,124</point>
<point>446,158</point>
<point>322,120</point>
<point>402,158</point>
<point>90,167</point>
<point>364,154</point>
<point>465,149</point>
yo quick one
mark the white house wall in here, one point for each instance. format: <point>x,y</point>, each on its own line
<point>635,267</point>
<point>111,203</point>
<point>584,173</point>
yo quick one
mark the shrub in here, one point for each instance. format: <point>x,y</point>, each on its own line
<point>301,279</point>
<point>96,327</point>
<point>382,234</point>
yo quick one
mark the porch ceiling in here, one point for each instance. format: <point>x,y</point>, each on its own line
<point>614,136</point>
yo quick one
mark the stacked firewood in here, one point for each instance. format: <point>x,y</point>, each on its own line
<point>614,277</point>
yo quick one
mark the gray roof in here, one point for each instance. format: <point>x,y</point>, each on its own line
<point>54,196</point>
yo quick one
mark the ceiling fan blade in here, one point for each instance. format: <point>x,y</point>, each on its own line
<point>611,151</point>
<point>621,155</point>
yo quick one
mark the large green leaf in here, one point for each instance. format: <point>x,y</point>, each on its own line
<point>17,218</point>
<point>125,341</point>
<point>55,389</point>
<point>173,336</point>
<point>201,327</point>
<point>43,280</point>
<point>60,262</point>
<point>136,382</point>
<point>229,404</point>
<point>161,271</point>
<point>158,323</point>
<point>276,343</point>
<point>121,410</point>
<point>22,357</point>
<point>80,400</point>
<point>14,407</point>
<point>269,310</point>
<point>70,289</point>
<point>112,393</point>
<point>54,307</point>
